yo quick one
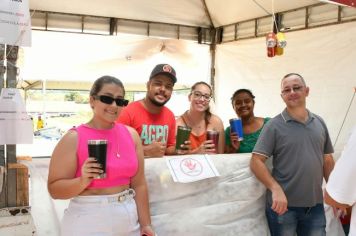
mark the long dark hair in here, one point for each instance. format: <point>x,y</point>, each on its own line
<point>207,111</point>
<point>106,79</point>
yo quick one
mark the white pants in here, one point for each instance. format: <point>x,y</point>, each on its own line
<point>103,215</point>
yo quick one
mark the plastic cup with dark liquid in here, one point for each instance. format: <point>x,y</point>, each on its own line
<point>236,127</point>
<point>97,149</point>
<point>183,133</point>
<point>214,136</point>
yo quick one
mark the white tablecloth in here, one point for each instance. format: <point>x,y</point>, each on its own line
<point>232,204</point>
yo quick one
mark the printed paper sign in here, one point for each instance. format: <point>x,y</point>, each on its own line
<point>15,22</point>
<point>185,169</point>
<point>15,125</point>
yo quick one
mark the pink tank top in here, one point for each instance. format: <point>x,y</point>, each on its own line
<point>121,162</point>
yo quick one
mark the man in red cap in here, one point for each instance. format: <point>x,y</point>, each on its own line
<point>154,122</point>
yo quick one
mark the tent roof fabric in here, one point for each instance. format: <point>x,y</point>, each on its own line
<point>56,56</point>
<point>182,12</point>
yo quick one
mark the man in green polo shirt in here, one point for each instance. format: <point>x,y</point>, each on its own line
<point>299,143</point>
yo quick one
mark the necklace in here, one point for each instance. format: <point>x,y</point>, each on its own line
<point>118,145</point>
<point>197,125</point>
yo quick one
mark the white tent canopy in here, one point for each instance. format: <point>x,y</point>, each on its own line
<point>182,12</point>
<point>64,57</point>
<point>324,56</point>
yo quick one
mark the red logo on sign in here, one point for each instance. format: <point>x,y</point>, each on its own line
<point>191,167</point>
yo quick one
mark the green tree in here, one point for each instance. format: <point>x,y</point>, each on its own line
<point>71,96</point>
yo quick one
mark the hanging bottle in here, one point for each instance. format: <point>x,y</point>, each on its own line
<point>271,42</point>
<point>281,43</point>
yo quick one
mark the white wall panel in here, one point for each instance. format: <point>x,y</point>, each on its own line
<point>324,56</point>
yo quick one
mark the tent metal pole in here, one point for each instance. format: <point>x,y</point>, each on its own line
<point>212,69</point>
<point>212,61</point>
<point>11,174</point>
<point>2,147</point>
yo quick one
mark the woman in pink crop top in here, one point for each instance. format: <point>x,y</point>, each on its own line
<point>118,203</point>
<point>200,119</point>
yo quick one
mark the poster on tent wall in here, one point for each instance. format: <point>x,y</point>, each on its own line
<point>15,22</point>
<point>15,125</point>
<point>351,3</point>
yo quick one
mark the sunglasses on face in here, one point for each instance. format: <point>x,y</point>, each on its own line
<point>120,102</point>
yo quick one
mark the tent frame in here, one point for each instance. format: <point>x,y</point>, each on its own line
<point>100,25</point>
<point>292,20</point>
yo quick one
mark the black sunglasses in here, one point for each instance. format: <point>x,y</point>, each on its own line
<point>120,102</point>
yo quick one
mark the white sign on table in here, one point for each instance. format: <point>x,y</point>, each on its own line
<point>15,22</point>
<point>15,125</point>
<point>186,169</point>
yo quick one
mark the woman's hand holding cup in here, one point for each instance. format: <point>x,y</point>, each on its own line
<point>91,169</point>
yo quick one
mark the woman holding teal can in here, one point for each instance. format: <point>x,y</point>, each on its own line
<point>243,102</point>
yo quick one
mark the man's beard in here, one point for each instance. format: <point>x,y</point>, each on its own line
<point>159,104</point>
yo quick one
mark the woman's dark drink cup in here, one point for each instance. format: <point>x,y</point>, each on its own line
<point>214,136</point>
<point>97,149</point>
<point>183,133</point>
